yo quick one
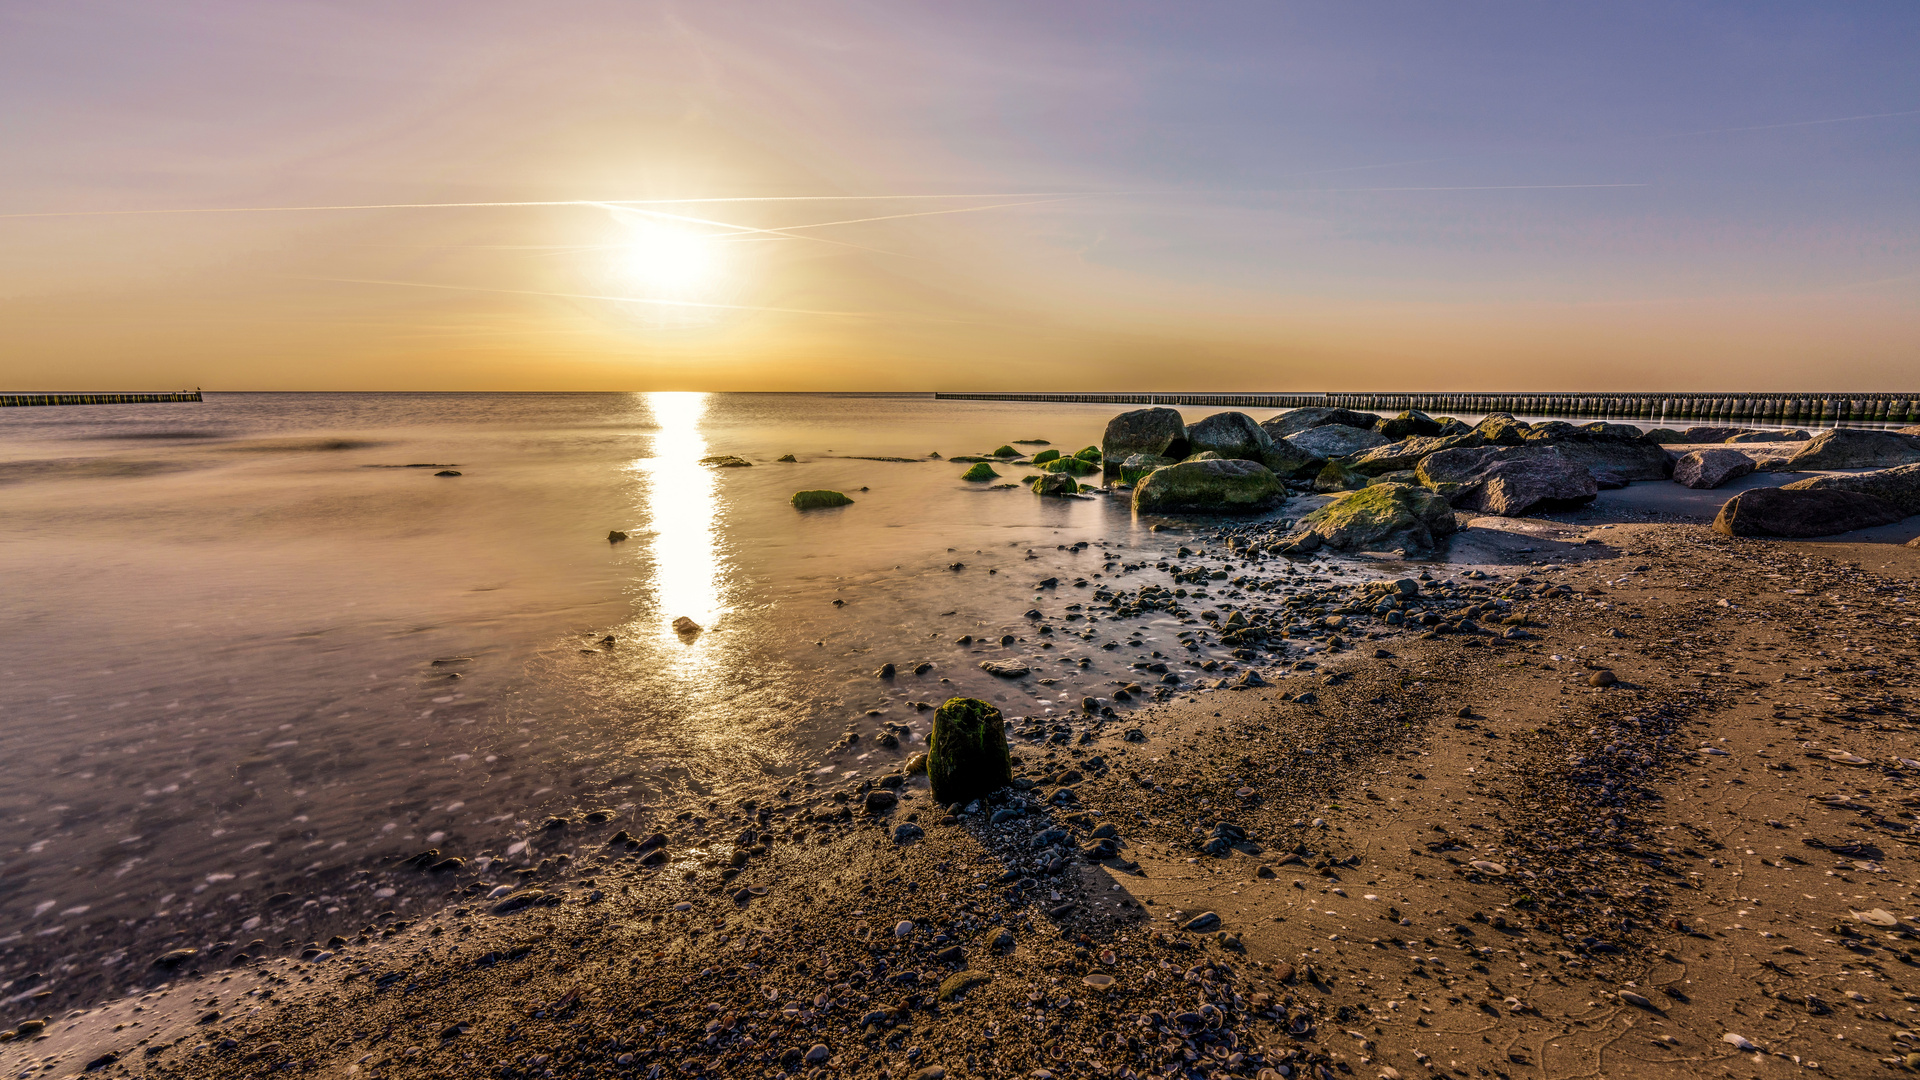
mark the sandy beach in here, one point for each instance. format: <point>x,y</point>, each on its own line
<point>1428,854</point>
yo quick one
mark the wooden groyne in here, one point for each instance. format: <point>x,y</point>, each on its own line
<point>1811,410</point>
<point>97,399</point>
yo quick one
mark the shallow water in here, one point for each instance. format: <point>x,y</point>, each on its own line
<point>232,630</point>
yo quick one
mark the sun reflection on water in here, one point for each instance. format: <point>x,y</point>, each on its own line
<point>680,504</point>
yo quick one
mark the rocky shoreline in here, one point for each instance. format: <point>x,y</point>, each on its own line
<point>1483,816</point>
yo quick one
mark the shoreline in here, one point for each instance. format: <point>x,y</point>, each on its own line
<point>1308,968</point>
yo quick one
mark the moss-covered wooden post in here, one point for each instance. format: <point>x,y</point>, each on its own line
<point>967,752</point>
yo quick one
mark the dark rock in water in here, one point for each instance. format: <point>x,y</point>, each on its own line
<point>615,536</point>
<point>979,472</point>
<point>1294,421</point>
<point>1232,435</point>
<point>789,458</point>
<point>1335,441</point>
<point>448,472</point>
<point>922,668</point>
<point>726,461</point>
<point>1382,517</point>
<point>1899,486</point>
<point>1071,466</point>
<point>1045,456</point>
<point>1410,424</point>
<point>967,751</point>
<point>1218,486</point>
<point>1802,513</point>
<point>820,500</point>
<point>1854,448</point>
<point>886,672</point>
<point>1706,469</point>
<point>1137,466</point>
<point>1145,431</point>
<point>684,625</point>
<point>1056,485</point>
<point>1005,451</point>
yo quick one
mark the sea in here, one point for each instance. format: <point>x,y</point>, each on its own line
<point>257,650</point>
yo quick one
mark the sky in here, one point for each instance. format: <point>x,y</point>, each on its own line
<point>1047,196</point>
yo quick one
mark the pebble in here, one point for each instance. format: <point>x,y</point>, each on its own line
<point>1602,677</point>
<point>902,928</point>
<point>818,1054</point>
<point>1638,1001</point>
<point>1202,922</point>
<point>907,833</point>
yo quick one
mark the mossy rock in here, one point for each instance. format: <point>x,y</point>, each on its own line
<point>1137,466</point>
<point>1045,456</point>
<point>980,472</point>
<point>1210,487</point>
<point>1006,451</point>
<point>726,461</point>
<point>818,500</point>
<point>1337,477</point>
<point>787,458</point>
<point>1071,466</point>
<point>1091,453</point>
<point>1383,517</point>
<point>967,751</point>
<point>1055,484</point>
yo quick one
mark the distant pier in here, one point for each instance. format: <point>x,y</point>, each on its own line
<point>1811,410</point>
<point>97,399</point>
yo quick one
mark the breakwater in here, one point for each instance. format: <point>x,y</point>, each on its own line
<point>98,399</point>
<point>1812,410</point>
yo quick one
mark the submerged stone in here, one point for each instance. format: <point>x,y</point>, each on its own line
<point>980,472</point>
<point>819,500</point>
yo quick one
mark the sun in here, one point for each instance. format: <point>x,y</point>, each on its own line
<point>670,262</point>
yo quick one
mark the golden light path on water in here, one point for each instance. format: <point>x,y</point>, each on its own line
<point>680,503</point>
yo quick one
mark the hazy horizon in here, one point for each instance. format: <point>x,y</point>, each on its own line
<point>913,197</point>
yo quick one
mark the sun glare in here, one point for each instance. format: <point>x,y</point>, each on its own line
<point>670,263</point>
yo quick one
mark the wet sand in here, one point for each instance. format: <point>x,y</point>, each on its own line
<point>1443,853</point>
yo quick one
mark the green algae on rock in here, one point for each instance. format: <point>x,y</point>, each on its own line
<point>726,461</point>
<point>1216,486</point>
<point>1045,456</point>
<point>980,473</point>
<point>1088,453</point>
<point>1383,517</point>
<point>818,500</point>
<point>1055,484</point>
<point>967,751</point>
<point>1006,451</point>
<point>1071,466</point>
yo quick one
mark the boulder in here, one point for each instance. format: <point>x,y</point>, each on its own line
<point>1056,484</point>
<point>1231,435</point>
<point>1406,453</point>
<point>1608,481</point>
<point>1070,466</point>
<point>1218,486</point>
<point>1088,453</point>
<point>1508,480</point>
<point>1294,421</point>
<point>1337,477</point>
<point>1705,469</point>
<point>1410,424</point>
<point>1641,460</point>
<point>818,500</point>
<point>1802,513</point>
<point>979,472</point>
<point>1045,456</point>
<point>1502,429</point>
<point>1291,462</point>
<point>967,751</point>
<point>1381,517</point>
<point>1899,486</point>
<point>1855,448</point>
<point>1769,436</point>
<point>1707,434</point>
<point>1666,435</point>
<point>1145,431</point>
<point>1139,465</point>
<point>1336,440</point>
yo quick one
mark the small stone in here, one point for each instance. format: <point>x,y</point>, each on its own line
<point>684,625</point>
<point>908,832</point>
<point>174,958</point>
<point>931,1072</point>
<point>615,536</point>
<point>1638,1001</point>
<point>886,672</point>
<point>448,472</point>
<point>879,800</point>
<point>1487,867</point>
<point>902,928</point>
<point>1201,923</point>
<point>1603,677</point>
<point>818,1054</point>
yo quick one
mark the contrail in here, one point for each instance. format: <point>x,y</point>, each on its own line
<point>549,202</point>
<point>592,296</point>
<point>1793,124</point>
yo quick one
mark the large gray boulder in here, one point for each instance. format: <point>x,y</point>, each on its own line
<point>1145,431</point>
<point>1216,486</point>
<point>1231,435</point>
<point>1410,424</point>
<point>1329,441</point>
<point>1508,481</point>
<point>1291,462</point>
<point>1501,429</point>
<point>1769,436</point>
<point>1802,513</point>
<point>1899,486</point>
<point>1645,460</point>
<point>1705,469</point>
<point>1855,448</point>
<point>1381,517</point>
<point>1407,453</point>
<point>1294,421</point>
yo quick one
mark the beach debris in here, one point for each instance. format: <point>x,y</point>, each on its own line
<point>967,751</point>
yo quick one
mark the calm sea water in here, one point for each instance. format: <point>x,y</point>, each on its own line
<point>232,632</point>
